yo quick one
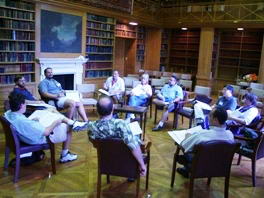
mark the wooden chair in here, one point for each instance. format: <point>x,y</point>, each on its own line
<point>87,95</point>
<point>254,153</point>
<point>211,159</point>
<point>186,84</point>
<point>17,147</point>
<point>115,158</point>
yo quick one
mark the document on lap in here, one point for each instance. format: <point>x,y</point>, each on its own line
<point>46,118</point>
<point>41,105</point>
<point>105,92</point>
<point>179,135</point>
<point>135,128</point>
<point>73,95</point>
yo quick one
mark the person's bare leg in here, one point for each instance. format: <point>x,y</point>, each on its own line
<point>66,144</point>
<point>165,116</point>
<point>70,106</point>
<point>81,111</point>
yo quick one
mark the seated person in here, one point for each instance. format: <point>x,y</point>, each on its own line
<point>107,127</point>
<point>51,89</point>
<point>169,95</point>
<point>20,87</point>
<point>115,86</point>
<point>243,115</point>
<point>33,132</point>
<point>227,101</point>
<point>217,131</point>
<point>140,94</point>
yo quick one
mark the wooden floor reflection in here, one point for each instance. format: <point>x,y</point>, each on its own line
<point>79,178</point>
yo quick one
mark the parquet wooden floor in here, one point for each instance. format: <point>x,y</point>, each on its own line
<point>79,178</point>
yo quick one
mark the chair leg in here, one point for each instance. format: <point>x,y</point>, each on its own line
<point>175,159</point>
<point>52,158</point>
<point>147,176</point>
<point>175,120</point>
<point>155,118</point>
<point>191,188</point>
<point>108,179</point>
<point>190,123</point>
<point>150,110</point>
<point>226,186</point>
<point>239,159</point>
<point>98,185</point>
<point>138,185</point>
<point>209,181</point>
<point>7,152</point>
<point>253,164</point>
<point>17,169</point>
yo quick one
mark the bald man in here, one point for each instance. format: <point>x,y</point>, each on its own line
<point>108,127</point>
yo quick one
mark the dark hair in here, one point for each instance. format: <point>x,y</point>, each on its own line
<point>104,108</point>
<point>17,78</point>
<point>251,97</point>
<point>230,88</point>
<point>16,100</point>
<point>45,70</point>
<point>175,77</point>
<point>220,114</point>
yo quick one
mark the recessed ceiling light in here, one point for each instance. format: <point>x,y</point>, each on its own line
<point>133,23</point>
<point>240,29</point>
<point>184,28</point>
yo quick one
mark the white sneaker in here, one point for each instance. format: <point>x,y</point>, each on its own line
<point>68,157</point>
<point>79,126</point>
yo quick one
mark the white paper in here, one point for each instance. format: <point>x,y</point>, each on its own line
<point>46,118</point>
<point>135,128</point>
<point>26,155</point>
<point>179,135</point>
<point>41,105</point>
<point>104,92</point>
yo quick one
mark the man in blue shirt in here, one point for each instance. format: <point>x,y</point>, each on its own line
<point>51,89</point>
<point>31,131</point>
<point>170,94</point>
<point>227,102</point>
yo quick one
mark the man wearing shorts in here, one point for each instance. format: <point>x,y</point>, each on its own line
<point>31,131</point>
<point>51,89</point>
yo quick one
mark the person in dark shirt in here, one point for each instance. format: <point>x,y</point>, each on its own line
<point>20,87</point>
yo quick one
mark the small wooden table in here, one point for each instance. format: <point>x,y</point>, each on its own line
<point>142,111</point>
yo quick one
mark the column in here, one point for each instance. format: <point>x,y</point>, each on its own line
<point>261,65</point>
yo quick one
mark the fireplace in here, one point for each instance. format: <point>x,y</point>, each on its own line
<point>64,66</point>
<point>66,81</point>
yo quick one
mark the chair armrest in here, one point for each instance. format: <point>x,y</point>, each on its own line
<point>191,94</point>
<point>243,138</point>
<point>145,147</point>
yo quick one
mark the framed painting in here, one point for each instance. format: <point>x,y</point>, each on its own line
<point>60,32</point>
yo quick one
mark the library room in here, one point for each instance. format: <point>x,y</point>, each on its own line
<point>132,98</point>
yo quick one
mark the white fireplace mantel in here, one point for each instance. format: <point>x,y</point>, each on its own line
<point>64,66</point>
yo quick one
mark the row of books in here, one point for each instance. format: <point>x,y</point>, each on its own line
<point>140,42</point>
<point>125,27</point>
<point>141,29</point>
<point>16,35</point>
<point>100,33</point>
<point>25,25</point>
<point>140,58</point>
<point>101,26</point>
<point>99,41</point>
<point>99,49</point>
<point>181,46</point>
<point>184,53</point>
<point>98,65</point>
<point>238,46</point>
<point>99,57</point>
<point>17,68</point>
<point>17,14</point>
<point>164,47</point>
<point>17,4</point>
<point>242,62</point>
<point>100,18</point>
<point>125,33</point>
<point>98,74</point>
<point>183,61</point>
<point>140,36</point>
<point>16,57</point>
<point>140,47</point>
<point>242,54</point>
<point>9,79</point>
<point>163,54</point>
<point>241,39</point>
<point>17,46</point>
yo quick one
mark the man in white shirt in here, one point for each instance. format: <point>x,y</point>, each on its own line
<point>243,115</point>
<point>115,86</point>
<point>140,94</point>
<point>217,131</point>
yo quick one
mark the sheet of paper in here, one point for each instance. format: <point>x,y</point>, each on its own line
<point>41,105</point>
<point>135,128</point>
<point>104,92</point>
<point>46,118</point>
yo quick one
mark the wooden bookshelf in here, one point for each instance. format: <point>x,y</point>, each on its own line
<point>17,41</point>
<point>140,53</point>
<point>125,31</point>
<point>184,50</point>
<point>99,46</point>
<point>239,53</point>
<point>164,49</point>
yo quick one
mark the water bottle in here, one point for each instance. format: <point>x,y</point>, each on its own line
<point>13,34</point>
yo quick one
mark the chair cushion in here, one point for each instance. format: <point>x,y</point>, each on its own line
<point>89,101</point>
